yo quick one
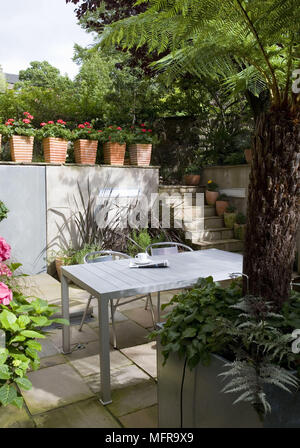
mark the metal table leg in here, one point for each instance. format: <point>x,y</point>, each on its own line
<point>66,340</point>
<point>104,351</point>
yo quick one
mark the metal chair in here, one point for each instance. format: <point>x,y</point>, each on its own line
<point>109,255</point>
<point>165,248</point>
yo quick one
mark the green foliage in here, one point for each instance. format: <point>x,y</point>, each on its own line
<point>3,211</point>
<point>140,239</point>
<point>2,81</point>
<point>261,343</point>
<point>22,321</point>
<point>22,126</point>
<point>114,134</point>
<point>192,169</point>
<point>86,131</point>
<point>222,197</point>
<point>212,186</point>
<point>241,218</point>
<point>56,130</point>
<point>140,134</point>
<point>71,256</point>
<point>191,328</point>
<point>230,209</point>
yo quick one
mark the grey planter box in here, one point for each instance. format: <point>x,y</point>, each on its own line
<point>205,406</point>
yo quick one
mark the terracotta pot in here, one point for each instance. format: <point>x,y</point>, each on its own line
<point>191,179</point>
<point>21,148</point>
<point>140,154</point>
<point>211,197</point>
<point>85,151</point>
<point>248,155</point>
<point>55,150</point>
<point>114,153</point>
<point>229,219</point>
<point>59,262</point>
<point>221,207</point>
<point>239,231</point>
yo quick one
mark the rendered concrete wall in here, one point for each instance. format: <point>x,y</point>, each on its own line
<point>62,191</point>
<point>22,189</point>
<point>234,176</point>
<point>41,199</point>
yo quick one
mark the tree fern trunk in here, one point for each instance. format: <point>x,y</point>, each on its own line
<point>273,206</point>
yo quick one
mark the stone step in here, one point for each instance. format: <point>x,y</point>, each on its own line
<point>223,233</point>
<point>230,245</point>
<point>213,222</point>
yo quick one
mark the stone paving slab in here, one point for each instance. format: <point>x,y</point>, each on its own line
<point>11,417</point>
<point>129,334</point>
<point>84,414</point>
<point>77,337</point>
<point>87,362</point>
<point>128,375</point>
<point>54,387</point>
<point>133,398</point>
<point>144,356</point>
<point>141,316</point>
<point>145,418</point>
<point>50,361</point>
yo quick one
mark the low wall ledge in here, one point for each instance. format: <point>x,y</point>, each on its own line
<point>150,167</point>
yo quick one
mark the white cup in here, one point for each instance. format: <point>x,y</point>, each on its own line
<point>143,257</point>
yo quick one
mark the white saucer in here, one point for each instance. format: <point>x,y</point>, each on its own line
<point>141,263</point>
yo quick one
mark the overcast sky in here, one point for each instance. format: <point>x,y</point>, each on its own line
<point>38,30</point>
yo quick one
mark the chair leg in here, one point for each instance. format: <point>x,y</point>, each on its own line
<point>158,306</point>
<point>149,298</point>
<point>146,306</point>
<point>112,312</point>
<point>85,313</point>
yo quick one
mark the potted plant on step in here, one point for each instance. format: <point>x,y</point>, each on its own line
<point>240,227</point>
<point>211,192</point>
<point>230,216</point>
<point>192,176</point>
<point>55,137</point>
<point>85,144</point>
<point>140,145</point>
<point>227,360</point>
<point>221,204</point>
<point>114,140</point>
<point>21,136</point>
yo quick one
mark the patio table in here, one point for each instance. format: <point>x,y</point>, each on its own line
<point>115,280</point>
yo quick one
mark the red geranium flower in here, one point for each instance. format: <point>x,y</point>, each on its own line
<point>99,131</point>
<point>81,126</point>
<point>143,124</point>
<point>144,130</point>
<point>25,120</point>
<point>50,122</point>
<point>86,123</point>
<point>43,124</point>
<point>119,128</point>
<point>149,130</point>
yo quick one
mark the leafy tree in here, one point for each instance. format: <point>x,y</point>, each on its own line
<point>2,81</point>
<point>253,46</point>
<point>43,74</point>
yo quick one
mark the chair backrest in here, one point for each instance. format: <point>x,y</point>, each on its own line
<point>104,255</point>
<point>166,248</point>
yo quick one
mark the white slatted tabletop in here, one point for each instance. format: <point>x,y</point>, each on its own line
<point>115,279</point>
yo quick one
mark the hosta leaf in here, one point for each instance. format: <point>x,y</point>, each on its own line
<point>18,402</point>
<point>41,321</point>
<point>32,334</point>
<point>7,319</point>
<point>18,338</point>
<point>23,383</point>
<point>34,345</point>
<point>3,355</point>
<point>61,321</point>
<point>23,321</point>
<point>7,394</point>
<point>4,372</point>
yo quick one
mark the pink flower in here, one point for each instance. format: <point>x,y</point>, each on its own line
<point>50,122</point>
<point>4,249</point>
<point>143,124</point>
<point>149,130</point>
<point>10,119</point>
<point>119,128</point>
<point>61,122</point>
<point>81,126</point>
<point>26,113</point>
<point>26,121</point>
<point>4,270</point>
<point>144,130</point>
<point>87,123</point>
<point>6,295</point>
<point>43,124</point>
<point>99,131</point>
